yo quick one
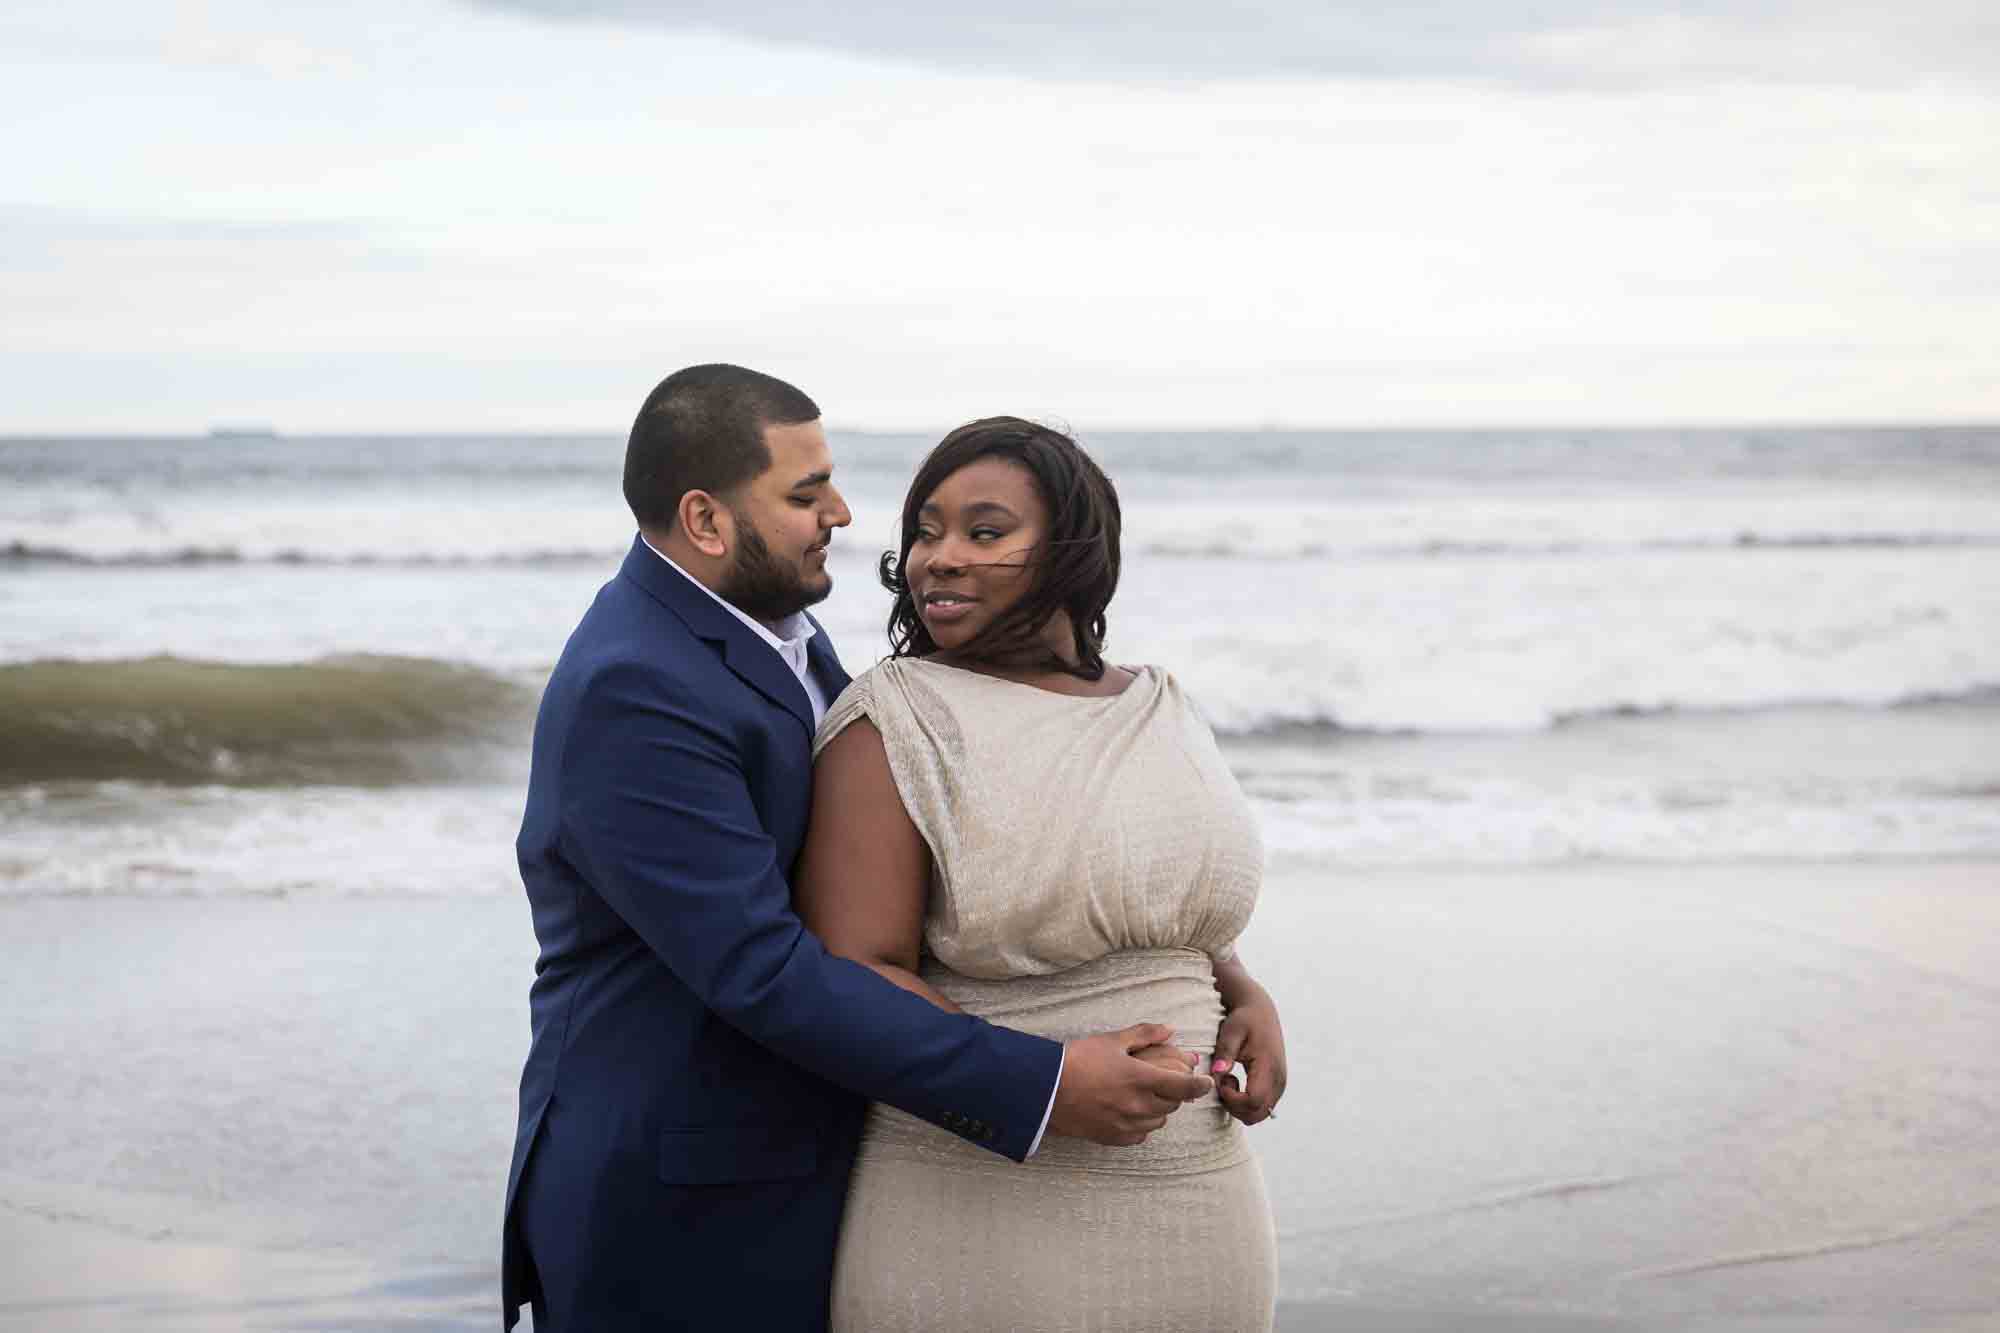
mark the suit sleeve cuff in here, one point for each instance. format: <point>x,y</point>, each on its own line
<point>1053,1088</point>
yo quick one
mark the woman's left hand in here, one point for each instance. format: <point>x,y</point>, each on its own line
<point>1252,1035</point>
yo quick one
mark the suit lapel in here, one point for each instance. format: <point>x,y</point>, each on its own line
<point>753,661</point>
<point>824,663</point>
<point>759,665</point>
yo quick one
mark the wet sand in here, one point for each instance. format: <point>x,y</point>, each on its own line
<point>65,1273</point>
<point>1693,1096</point>
<point>1738,1098</point>
<point>64,1276</point>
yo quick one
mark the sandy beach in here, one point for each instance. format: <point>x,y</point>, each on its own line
<point>1593,1097</point>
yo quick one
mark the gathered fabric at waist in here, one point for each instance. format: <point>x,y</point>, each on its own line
<point>1171,986</point>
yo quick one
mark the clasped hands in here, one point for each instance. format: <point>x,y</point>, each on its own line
<point>1119,1087</point>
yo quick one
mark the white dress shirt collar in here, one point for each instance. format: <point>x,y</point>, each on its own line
<point>795,632</point>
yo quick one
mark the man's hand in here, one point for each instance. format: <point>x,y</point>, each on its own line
<point>1110,1096</point>
<point>1170,1057</point>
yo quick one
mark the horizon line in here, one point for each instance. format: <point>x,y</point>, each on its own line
<point>262,433</point>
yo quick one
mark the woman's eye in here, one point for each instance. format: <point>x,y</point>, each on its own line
<point>985,534</point>
<point>925,535</point>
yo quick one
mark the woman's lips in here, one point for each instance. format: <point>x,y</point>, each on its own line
<point>946,612</point>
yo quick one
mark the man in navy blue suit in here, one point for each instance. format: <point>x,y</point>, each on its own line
<point>693,1092</point>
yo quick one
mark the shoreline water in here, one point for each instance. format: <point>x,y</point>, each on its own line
<point>273,790</point>
<point>1617,1097</point>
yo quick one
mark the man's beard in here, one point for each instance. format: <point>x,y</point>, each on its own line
<point>758,585</point>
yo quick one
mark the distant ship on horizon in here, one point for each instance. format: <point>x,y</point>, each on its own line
<point>242,433</point>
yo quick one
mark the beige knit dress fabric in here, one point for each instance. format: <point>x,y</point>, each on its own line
<point>1091,856</point>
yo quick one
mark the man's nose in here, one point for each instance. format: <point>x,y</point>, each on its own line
<point>839,515</point>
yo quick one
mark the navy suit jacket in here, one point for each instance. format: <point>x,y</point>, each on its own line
<point>699,1063</point>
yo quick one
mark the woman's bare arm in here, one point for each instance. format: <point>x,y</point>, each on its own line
<point>865,873</point>
<point>864,877</point>
<point>1252,1034</point>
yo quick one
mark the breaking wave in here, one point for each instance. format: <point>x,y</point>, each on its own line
<point>360,720</point>
<point>25,553</point>
<point>1445,548</point>
<point>1234,547</point>
<point>1251,725</point>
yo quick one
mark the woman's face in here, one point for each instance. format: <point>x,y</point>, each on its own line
<point>973,554</point>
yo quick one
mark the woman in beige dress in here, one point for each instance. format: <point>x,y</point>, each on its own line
<point>1007,825</point>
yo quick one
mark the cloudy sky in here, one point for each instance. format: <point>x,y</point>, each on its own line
<point>519,214</point>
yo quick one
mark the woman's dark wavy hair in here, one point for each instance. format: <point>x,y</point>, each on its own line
<point>1075,569</point>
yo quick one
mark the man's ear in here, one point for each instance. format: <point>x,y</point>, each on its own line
<point>707,523</point>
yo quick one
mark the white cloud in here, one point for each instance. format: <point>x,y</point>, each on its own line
<point>1582,42</point>
<point>461,219</point>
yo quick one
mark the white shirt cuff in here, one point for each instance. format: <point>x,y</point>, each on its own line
<point>1061,1059</point>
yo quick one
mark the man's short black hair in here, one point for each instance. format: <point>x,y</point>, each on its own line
<point>702,429</point>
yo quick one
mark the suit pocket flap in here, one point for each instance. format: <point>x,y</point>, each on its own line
<point>724,1156</point>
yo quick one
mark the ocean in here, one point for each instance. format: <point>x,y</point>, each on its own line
<point>235,666</point>
<point>284,685</point>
